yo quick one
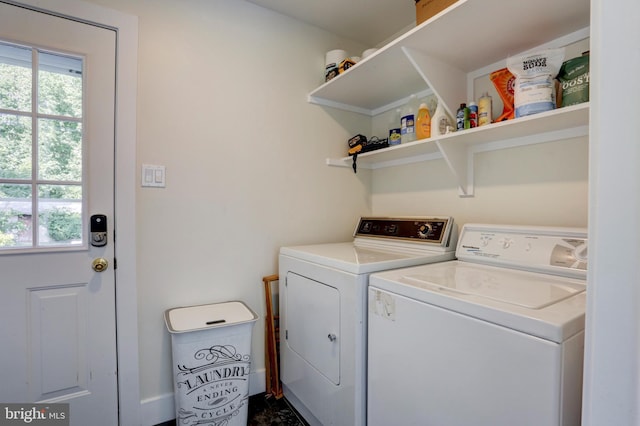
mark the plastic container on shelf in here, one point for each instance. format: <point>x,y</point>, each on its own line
<point>332,63</point>
<point>473,115</point>
<point>462,117</point>
<point>440,121</point>
<point>423,122</point>
<point>408,120</point>
<point>485,105</point>
<point>395,130</point>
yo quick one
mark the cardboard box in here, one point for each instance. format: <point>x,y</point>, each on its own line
<point>425,9</point>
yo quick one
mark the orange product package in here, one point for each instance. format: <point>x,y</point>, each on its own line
<point>503,81</point>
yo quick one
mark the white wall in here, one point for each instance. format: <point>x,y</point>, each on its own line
<point>222,89</point>
<point>545,184</point>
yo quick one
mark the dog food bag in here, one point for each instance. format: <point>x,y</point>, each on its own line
<point>534,88</point>
<point>574,81</point>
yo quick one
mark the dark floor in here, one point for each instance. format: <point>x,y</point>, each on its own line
<point>265,410</point>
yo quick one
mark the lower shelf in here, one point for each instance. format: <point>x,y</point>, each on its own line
<point>458,148</point>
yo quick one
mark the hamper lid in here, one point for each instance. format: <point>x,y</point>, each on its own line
<point>191,318</point>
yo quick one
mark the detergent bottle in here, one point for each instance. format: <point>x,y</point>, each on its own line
<point>423,122</point>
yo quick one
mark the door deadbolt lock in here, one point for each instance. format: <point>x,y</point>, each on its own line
<point>98,230</point>
<point>99,264</point>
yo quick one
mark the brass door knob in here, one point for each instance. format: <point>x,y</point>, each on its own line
<point>99,264</point>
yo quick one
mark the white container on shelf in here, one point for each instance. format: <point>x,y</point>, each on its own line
<point>408,120</point>
<point>440,121</point>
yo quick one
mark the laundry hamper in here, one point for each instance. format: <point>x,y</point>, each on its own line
<point>211,348</point>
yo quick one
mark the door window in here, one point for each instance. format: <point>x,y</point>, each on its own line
<point>41,144</point>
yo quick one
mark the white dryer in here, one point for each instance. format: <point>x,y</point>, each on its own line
<point>495,338</point>
<point>323,310</point>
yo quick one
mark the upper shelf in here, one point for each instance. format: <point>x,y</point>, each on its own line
<point>493,30</point>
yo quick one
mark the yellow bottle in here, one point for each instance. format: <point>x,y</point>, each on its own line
<point>423,123</point>
<point>484,110</point>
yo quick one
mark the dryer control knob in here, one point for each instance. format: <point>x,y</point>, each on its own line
<point>424,230</point>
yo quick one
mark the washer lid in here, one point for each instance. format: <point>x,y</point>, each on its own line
<point>542,305</point>
<point>529,290</point>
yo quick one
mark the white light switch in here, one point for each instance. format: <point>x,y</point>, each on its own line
<point>153,176</point>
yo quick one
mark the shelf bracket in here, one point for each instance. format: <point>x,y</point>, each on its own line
<point>460,158</point>
<point>460,162</point>
<point>447,82</point>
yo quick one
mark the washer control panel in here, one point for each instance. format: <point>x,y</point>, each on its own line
<point>427,229</point>
<point>533,248</point>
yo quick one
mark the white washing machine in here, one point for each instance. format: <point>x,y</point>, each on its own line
<point>323,310</point>
<point>495,338</point>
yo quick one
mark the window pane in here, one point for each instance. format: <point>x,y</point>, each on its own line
<point>15,78</point>
<point>60,85</point>
<point>15,216</point>
<point>59,150</point>
<point>60,213</point>
<point>49,151</point>
<point>15,147</point>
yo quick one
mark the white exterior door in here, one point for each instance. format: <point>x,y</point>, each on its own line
<point>57,312</point>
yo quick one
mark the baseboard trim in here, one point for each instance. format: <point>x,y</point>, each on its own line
<point>161,408</point>
<point>158,409</point>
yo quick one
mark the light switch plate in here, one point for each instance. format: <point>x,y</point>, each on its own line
<point>153,176</point>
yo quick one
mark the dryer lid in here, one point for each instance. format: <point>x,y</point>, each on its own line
<point>385,243</point>
<point>349,257</point>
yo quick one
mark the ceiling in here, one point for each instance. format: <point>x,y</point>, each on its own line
<point>370,22</point>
